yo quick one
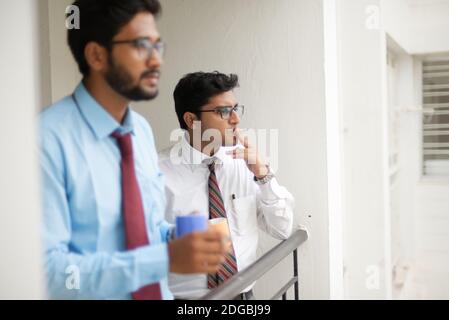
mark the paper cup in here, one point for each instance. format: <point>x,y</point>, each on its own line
<point>221,225</point>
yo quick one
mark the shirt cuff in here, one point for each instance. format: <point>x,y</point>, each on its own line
<point>171,233</point>
<point>166,230</point>
<point>273,191</point>
<point>152,263</point>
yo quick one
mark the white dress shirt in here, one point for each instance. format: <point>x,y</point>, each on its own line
<point>248,205</point>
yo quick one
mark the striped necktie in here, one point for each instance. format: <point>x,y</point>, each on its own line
<point>217,210</point>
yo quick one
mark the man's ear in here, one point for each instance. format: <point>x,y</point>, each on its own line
<point>189,118</point>
<point>96,56</point>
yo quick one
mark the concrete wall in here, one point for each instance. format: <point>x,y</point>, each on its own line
<point>363,92</point>
<point>420,26</point>
<point>21,93</point>
<point>63,69</point>
<point>405,115</point>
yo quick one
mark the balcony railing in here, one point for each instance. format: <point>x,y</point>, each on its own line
<point>245,278</point>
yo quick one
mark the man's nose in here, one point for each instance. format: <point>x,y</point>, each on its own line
<point>234,118</point>
<point>155,60</point>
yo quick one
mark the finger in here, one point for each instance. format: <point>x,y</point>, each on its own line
<point>207,263</point>
<point>211,264</point>
<point>243,140</point>
<point>216,247</point>
<point>210,235</point>
<point>213,259</point>
<point>206,268</point>
<point>212,241</point>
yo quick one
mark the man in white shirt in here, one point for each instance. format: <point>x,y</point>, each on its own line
<point>219,180</point>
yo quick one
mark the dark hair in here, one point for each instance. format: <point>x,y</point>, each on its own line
<point>194,90</point>
<point>101,21</point>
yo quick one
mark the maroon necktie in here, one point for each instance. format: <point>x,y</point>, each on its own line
<point>135,226</point>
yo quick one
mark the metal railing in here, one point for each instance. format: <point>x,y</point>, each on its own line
<point>245,278</point>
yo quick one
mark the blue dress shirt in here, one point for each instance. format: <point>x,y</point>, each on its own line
<point>84,240</point>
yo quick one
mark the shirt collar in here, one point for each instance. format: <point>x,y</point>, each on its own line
<point>99,120</point>
<point>195,158</point>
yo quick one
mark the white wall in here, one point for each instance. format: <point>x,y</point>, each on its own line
<point>44,64</point>
<point>405,114</point>
<point>335,140</point>
<point>63,69</point>
<point>20,267</point>
<point>363,95</point>
<point>420,26</point>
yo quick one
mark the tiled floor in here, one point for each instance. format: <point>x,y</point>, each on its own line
<point>429,278</point>
<point>429,274</point>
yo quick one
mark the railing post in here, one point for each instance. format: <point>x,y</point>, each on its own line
<point>295,273</point>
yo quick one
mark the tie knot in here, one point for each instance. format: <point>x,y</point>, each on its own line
<point>212,163</point>
<point>125,143</point>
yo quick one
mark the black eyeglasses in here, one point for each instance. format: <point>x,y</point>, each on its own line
<point>144,46</point>
<point>225,112</point>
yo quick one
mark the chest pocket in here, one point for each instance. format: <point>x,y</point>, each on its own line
<point>244,212</point>
<point>153,198</point>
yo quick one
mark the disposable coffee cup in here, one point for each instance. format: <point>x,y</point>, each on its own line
<point>221,225</point>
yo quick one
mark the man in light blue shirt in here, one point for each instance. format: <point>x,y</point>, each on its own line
<point>119,52</point>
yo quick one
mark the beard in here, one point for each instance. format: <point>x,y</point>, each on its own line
<point>121,81</point>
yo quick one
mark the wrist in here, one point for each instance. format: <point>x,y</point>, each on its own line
<point>261,172</point>
<point>266,178</point>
